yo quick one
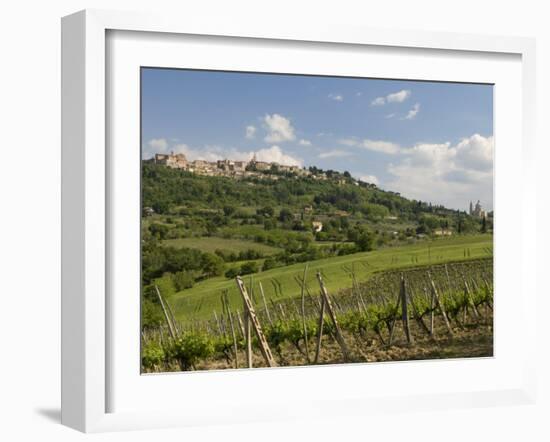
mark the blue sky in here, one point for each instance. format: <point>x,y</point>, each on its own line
<point>429,141</point>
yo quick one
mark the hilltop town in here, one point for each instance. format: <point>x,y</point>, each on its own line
<point>272,170</point>
<point>233,168</point>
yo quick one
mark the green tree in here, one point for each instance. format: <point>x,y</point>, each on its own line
<point>183,280</point>
<point>231,273</point>
<point>228,210</point>
<point>269,224</point>
<point>249,267</point>
<point>285,215</point>
<point>212,265</point>
<point>267,211</point>
<point>159,231</point>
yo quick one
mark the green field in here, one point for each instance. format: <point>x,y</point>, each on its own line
<point>211,244</point>
<point>200,301</point>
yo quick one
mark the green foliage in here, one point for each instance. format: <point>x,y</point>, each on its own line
<point>152,356</point>
<point>192,347</point>
<point>363,238</point>
<point>159,231</point>
<point>266,211</point>
<point>270,224</point>
<point>212,265</point>
<point>203,199</point>
<point>183,280</point>
<point>285,215</point>
<point>249,267</point>
<point>228,210</point>
<point>290,331</point>
<point>151,314</point>
<point>232,272</point>
<point>246,269</point>
<point>374,212</point>
<point>270,263</point>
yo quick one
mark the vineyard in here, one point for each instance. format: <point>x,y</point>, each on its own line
<point>417,312</point>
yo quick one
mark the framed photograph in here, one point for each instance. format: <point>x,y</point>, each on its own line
<point>267,221</point>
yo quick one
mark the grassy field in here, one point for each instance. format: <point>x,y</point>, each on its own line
<point>210,244</point>
<point>200,301</point>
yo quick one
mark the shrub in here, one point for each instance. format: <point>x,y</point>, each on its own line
<point>249,267</point>
<point>192,347</point>
<point>231,273</point>
<point>152,356</point>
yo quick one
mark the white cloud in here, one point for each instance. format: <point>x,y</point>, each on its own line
<point>374,145</point>
<point>279,129</point>
<point>446,174</point>
<point>336,97</point>
<point>379,101</point>
<point>396,97</point>
<point>274,154</point>
<point>475,153</point>
<point>336,153</point>
<point>304,142</point>
<point>250,132</point>
<point>153,146</point>
<point>389,116</point>
<point>159,144</point>
<point>358,94</point>
<point>412,113</point>
<point>349,141</point>
<point>381,146</point>
<point>369,179</point>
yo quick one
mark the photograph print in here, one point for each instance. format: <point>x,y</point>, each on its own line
<point>297,220</point>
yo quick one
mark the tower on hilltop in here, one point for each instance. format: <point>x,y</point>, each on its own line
<point>477,210</point>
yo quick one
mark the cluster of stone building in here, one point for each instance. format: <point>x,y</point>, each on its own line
<point>232,168</point>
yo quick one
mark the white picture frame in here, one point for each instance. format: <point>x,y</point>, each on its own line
<point>86,211</point>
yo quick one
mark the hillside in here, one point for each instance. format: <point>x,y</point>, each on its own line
<point>199,232</point>
<point>290,198</point>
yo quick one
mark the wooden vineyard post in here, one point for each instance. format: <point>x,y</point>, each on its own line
<point>173,319</point>
<point>218,323</point>
<point>432,316</point>
<point>235,348</point>
<point>405,311</point>
<point>440,305</point>
<point>166,316</point>
<point>265,303</point>
<point>330,309</point>
<point>252,319</point>
<point>241,326</point>
<point>320,331</point>
<point>247,337</point>
<point>304,313</point>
